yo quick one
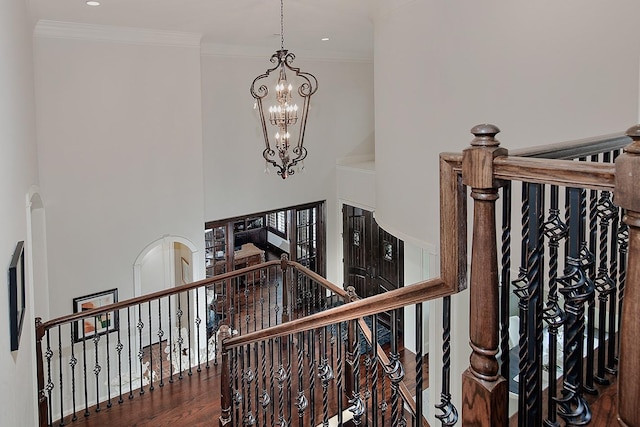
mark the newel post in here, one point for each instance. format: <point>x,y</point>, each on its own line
<point>225,379</point>
<point>43,411</point>
<point>627,196</point>
<point>484,391</point>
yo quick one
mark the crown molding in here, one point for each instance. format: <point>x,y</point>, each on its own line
<point>236,51</point>
<point>93,32</point>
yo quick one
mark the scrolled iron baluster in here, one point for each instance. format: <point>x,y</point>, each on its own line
<point>119,347</point>
<point>449,414</point>
<point>555,230</point>
<point>623,248</point>
<point>603,282</point>
<point>151,387</point>
<point>73,362</point>
<point>395,371</point>
<point>589,386</point>
<point>577,289</point>
<point>325,373</point>
<point>60,379</point>
<point>48,354</point>
<point>96,368</point>
<point>140,326</point>
<point>160,334</point>
<point>356,408</point>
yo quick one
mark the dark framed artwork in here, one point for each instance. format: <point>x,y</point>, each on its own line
<point>103,323</point>
<point>16,295</point>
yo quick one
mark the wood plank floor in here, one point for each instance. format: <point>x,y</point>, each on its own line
<point>193,400</point>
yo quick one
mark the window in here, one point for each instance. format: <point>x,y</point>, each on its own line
<point>277,223</point>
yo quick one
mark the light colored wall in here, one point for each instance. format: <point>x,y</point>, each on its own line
<point>542,71</point>
<point>340,123</point>
<point>18,172</point>
<point>119,125</point>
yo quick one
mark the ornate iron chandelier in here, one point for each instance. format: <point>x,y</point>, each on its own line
<point>284,114</point>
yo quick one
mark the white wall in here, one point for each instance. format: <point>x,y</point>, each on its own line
<point>119,125</point>
<point>542,71</point>
<point>18,172</point>
<point>340,123</point>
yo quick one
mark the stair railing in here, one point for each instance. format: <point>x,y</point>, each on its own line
<point>589,241</point>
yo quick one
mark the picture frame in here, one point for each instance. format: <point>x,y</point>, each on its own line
<point>17,295</point>
<point>105,323</point>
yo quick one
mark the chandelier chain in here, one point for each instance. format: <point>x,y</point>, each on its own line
<point>282,24</point>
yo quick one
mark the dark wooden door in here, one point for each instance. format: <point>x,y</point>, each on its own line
<point>373,258</point>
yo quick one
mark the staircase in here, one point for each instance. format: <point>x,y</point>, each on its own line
<point>293,349</point>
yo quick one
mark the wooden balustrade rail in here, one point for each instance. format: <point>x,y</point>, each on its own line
<point>398,298</point>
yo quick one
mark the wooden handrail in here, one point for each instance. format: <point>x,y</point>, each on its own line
<point>576,149</point>
<point>398,298</point>
<point>592,175</point>
<point>315,276</point>
<point>183,288</point>
<point>153,296</point>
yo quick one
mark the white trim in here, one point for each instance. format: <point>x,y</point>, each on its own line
<point>93,32</point>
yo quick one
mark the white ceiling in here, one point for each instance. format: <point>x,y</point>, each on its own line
<point>237,23</point>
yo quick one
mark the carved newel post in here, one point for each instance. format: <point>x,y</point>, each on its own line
<point>484,390</point>
<point>627,196</point>
<point>225,379</point>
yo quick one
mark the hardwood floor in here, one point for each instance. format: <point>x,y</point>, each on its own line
<point>193,400</point>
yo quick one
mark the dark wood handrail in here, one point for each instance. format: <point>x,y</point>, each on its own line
<point>318,278</point>
<point>577,148</point>
<point>569,173</point>
<point>183,288</point>
<point>398,298</point>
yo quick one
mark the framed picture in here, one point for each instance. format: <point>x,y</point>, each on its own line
<point>16,295</point>
<point>98,325</point>
<point>186,271</point>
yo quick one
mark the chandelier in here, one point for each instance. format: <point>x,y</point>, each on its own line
<point>287,121</point>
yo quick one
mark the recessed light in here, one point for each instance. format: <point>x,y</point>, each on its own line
<point>324,39</point>
<point>93,3</point>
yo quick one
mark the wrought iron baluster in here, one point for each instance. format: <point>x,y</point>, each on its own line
<point>418,359</point>
<point>603,282</point>
<point>60,376</point>
<point>505,279</point>
<point>119,348</point>
<point>190,357</point>
<point>313,372</point>
<point>48,354</point>
<point>281,378</point>
<point>301,400</point>
<point>140,326</point>
<point>591,303</point>
<point>130,355</point>
<point>555,230</point>
<point>576,288</point>
<point>180,339</point>
<point>325,373</point>
<point>449,415</point>
<point>108,361</point>
<point>151,387</point>
<point>96,368</point>
<point>395,371</point>
<point>160,335</point>
<point>197,321</point>
<point>170,344</point>
<point>374,369</point>
<point>73,361</point>
<point>289,368</point>
<point>623,245</point>
<point>613,258</point>
<point>522,291</point>
<point>340,370</point>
